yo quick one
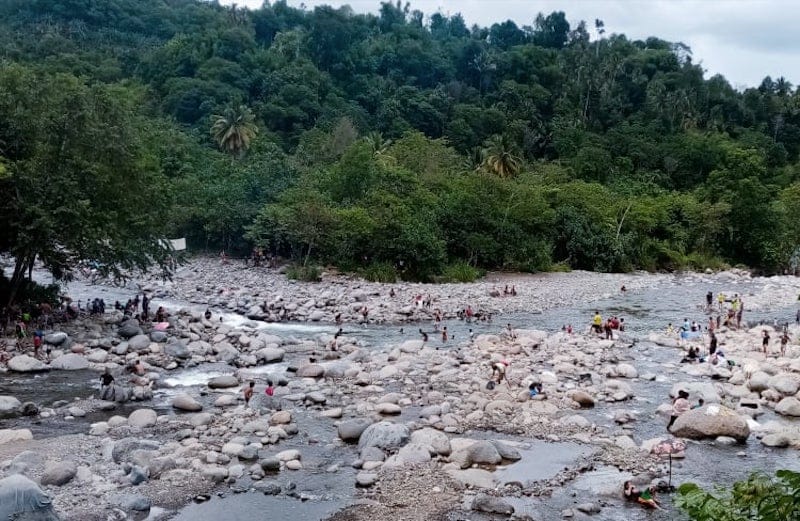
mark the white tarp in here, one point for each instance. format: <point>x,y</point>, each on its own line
<point>178,244</point>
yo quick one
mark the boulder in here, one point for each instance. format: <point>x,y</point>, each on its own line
<point>14,435</point>
<point>158,336</point>
<point>281,418</point>
<point>351,430</point>
<point>411,454</point>
<point>366,479</point>
<point>22,499</point>
<point>785,384</point>
<point>26,364</point>
<point>311,371</point>
<point>388,408</point>
<point>184,402</point>
<point>139,343</point>
<point>129,329</point>
<point>127,448</point>
<point>789,406</point>
<point>711,421</point>
<point>507,452</point>
<point>176,348</point>
<point>384,435</point>
<point>491,505</point>
<point>142,418</point>
<point>10,407</point>
<point>582,398</point>
<point>484,452</point>
<point>56,338</point>
<point>223,382</point>
<point>59,473</point>
<point>476,478</point>
<point>70,362</point>
<point>437,441</point>
<point>626,371</point>
<point>270,355</point>
<point>759,381</point>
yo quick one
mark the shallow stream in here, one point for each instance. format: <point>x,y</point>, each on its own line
<point>320,493</point>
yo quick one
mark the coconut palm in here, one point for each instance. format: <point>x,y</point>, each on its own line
<point>234,129</point>
<point>501,156</point>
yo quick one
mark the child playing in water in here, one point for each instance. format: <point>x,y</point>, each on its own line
<point>645,498</point>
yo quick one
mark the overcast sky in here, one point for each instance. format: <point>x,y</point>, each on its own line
<point>744,40</point>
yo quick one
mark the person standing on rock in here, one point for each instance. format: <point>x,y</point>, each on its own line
<point>721,300</point>
<point>444,334</point>
<point>709,300</point>
<point>679,406</point>
<point>784,341</point>
<point>145,306</point>
<point>712,345</point>
<point>764,341</point>
<point>248,393</point>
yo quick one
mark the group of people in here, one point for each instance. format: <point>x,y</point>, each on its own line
<point>607,327</point>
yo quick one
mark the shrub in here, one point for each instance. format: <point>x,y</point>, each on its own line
<point>380,272</point>
<point>758,498</point>
<point>304,273</point>
<point>460,271</point>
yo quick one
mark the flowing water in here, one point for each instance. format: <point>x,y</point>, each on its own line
<point>318,493</point>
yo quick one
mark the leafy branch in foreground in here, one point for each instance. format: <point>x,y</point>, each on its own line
<point>758,498</point>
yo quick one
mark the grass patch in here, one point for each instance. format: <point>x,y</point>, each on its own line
<point>380,272</point>
<point>461,272</point>
<point>559,267</point>
<point>304,273</point>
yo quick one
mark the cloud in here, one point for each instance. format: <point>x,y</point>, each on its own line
<point>745,40</point>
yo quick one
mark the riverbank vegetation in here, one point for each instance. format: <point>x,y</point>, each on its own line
<point>399,144</point>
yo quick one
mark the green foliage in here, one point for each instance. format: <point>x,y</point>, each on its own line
<point>380,272</point>
<point>304,273</point>
<point>758,498</point>
<point>460,272</point>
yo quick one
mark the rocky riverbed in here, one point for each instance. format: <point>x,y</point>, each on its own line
<point>384,420</point>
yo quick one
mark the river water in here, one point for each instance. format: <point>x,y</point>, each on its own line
<point>318,493</point>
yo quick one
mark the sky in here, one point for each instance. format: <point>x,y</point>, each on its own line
<point>744,40</point>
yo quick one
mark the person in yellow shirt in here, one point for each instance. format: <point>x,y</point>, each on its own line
<point>597,322</point>
<point>721,300</point>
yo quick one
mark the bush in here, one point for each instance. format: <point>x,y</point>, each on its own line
<point>560,267</point>
<point>460,271</point>
<point>30,294</point>
<point>380,272</point>
<point>304,273</point>
<point>758,498</point>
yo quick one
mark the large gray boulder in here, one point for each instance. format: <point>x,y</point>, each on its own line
<point>270,354</point>
<point>14,435</point>
<point>142,418</point>
<point>437,441</point>
<point>785,384</point>
<point>57,338</point>
<point>311,371</point>
<point>175,348</point>
<point>139,343</point>
<point>129,329</point>
<point>59,473</point>
<point>70,362</point>
<point>9,407</point>
<point>705,390</point>
<point>26,364</point>
<point>384,435</point>
<point>711,421</point>
<point>158,336</point>
<point>789,406</point>
<point>351,430</point>
<point>223,382</point>
<point>21,499</point>
<point>184,402</point>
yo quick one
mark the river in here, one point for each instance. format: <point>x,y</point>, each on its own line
<point>317,494</point>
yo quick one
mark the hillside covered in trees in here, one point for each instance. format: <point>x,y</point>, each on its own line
<point>401,142</point>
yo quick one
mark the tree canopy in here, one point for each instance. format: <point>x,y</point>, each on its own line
<point>400,138</point>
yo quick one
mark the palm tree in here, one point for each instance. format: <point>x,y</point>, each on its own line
<point>502,156</point>
<point>234,129</point>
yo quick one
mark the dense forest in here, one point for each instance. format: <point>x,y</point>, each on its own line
<point>398,144</point>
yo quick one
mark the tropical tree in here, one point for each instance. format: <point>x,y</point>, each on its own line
<point>234,129</point>
<point>502,156</point>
